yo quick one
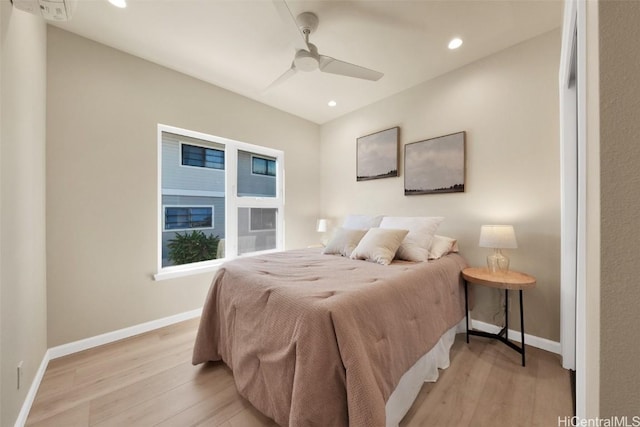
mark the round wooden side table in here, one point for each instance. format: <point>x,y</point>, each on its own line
<point>509,280</point>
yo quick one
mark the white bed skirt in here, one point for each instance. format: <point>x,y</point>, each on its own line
<point>425,369</point>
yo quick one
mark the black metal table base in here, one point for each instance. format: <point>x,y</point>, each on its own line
<point>503,335</point>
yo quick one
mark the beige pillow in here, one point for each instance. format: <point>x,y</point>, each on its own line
<point>379,245</point>
<point>361,222</point>
<point>441,246</point>
<point>415,246</point>
<point>344,241</point>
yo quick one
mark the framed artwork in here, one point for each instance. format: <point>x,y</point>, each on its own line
<point>377,155</point>
<point>435,165</point>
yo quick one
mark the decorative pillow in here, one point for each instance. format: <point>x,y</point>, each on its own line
<point>415,246</point>
<point>361,222</point>
<point>379,245</point>
<point>344,241</point>
<point>441,246</point>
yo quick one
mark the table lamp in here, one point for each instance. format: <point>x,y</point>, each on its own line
<point>498,237</point>
<point>321,227</point>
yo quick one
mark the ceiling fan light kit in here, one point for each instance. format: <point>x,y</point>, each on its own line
<point>307,57</point>
<point>307,60</point>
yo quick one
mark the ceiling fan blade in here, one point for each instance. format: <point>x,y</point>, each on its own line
<point>285,76</point>
<point>335,66</point>
<point>292,26</point>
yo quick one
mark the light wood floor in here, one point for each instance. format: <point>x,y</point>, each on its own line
<point>148,380</point>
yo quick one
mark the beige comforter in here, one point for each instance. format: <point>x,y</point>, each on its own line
<point>321,340</point>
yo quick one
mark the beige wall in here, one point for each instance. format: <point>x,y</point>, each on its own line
<point>22,199</point>
<point>508,105</point>
<point>103,107</point>
<point>620,203</point>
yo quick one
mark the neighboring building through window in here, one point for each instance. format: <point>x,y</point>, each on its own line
<point>188,218</point>
<point>198,156</point>
<point>262,219</point>
<point>206,212</point>
<point>262,166</point>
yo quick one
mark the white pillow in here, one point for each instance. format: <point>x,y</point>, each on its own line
<point>415,246</point>
<point>344,242</point>
<point>379,245</point>
<point>441,246</point>
<point>361,222</point>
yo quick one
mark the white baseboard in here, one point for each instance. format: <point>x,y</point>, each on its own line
<point>85,344</point>
<point>33,390</point>
<point>109,337</point>
<point>532,340</point>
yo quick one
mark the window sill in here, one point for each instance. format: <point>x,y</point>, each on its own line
<point>200,267</point>
<point>187,270</point>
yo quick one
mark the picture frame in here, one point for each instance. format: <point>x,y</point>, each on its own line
<point>377,155</point>
<point>435,165</point>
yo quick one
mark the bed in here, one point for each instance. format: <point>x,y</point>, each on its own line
<point>324,340</point>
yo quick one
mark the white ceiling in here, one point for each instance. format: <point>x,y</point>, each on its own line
<point>244,45</point>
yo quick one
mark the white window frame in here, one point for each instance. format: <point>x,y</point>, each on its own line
<point>199,167</point>
<point>260,174</point>
<point>232,201</point>
<point>164,216</point>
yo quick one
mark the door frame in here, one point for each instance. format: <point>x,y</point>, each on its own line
<point>573,200</point>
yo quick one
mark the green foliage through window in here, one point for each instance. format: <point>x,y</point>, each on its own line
<point>192,247</point>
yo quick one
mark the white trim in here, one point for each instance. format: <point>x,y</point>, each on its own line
<point>568,187</point>
<point>532,340</point>
<point>33,390</point>
<point>193,193</point>
<point>573,319</point>
<point>581,267</point>
<point>176,271</point>
<point>109,337</point>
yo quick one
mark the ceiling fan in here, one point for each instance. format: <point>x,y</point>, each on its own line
<point>307,57</point>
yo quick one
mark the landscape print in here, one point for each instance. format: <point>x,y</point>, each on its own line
<point>377,155</point>
<point>435,165</point>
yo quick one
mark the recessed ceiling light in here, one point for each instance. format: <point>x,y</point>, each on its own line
<point>455,43</point>
<point>332,103</point>
<point>119,3</point>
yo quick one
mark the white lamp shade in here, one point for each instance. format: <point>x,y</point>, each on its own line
<point>322,225</point>
<point>498,236</point>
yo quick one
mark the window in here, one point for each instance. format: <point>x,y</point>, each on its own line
<point>203,157</point>
<point>262,219</point>
<point>262,166</point>
<point>187,218</point>
<point>227,202</point>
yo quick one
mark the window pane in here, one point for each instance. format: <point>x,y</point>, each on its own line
<point>271,168</point>
<point>193,155</point>
<point>179,218</point>
<point>256,175</point>
<point>193,200</point>
<point>214,159</point>
<point>257,229</point>
<point>259,166</point>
